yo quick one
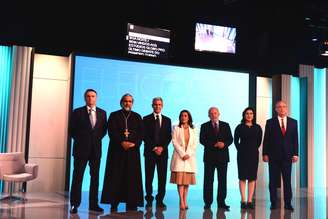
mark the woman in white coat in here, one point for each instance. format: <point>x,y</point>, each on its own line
<point>183,162</point>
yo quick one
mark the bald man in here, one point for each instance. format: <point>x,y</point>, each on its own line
<point>280,149</point>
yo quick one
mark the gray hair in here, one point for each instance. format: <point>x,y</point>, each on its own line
<point>157,98</point>
<point>213,107</point>
<point>125,95</point>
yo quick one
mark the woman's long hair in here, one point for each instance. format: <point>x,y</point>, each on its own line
<point>189,116</point>
<point>243,120</point>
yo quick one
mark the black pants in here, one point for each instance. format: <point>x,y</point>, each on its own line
<point>276,169</point>
<point>78,172</point>
<point>151,161</point>
<point>209,169</point>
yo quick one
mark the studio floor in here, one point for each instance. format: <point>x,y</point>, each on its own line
<point>56,206</point>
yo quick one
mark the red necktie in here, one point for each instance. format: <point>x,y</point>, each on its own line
<point>283,129</point>
<point>216,128</point>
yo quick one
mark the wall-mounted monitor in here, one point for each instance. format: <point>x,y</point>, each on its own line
<point>147,42</point>
<point>214,38</point>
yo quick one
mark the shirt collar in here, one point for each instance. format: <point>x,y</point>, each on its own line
<point>159,115</point>
<point>93,108</point>
<point>217,122</point>
<point>282,117</point>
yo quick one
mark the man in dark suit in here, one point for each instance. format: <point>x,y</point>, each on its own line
<point>216,137</point>
<point>157,136</point>
<point>280,149</point>
<point>88,125</point>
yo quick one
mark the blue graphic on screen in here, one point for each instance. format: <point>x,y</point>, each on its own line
<point>194,89</point>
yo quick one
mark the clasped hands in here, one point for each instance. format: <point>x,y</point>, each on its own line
<point>219,144</point>
<point>127,145</point>
<point>158,150</point>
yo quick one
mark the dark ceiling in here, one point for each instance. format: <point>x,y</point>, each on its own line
<point>273,36</point>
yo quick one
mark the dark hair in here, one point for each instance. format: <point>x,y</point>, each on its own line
<point>243,120</point>
<point>189,116</point>
<point>89,90</point>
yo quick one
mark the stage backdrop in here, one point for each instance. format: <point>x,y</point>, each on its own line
<point>194,89</point>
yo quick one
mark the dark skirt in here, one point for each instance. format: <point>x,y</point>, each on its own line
<point>247,166</point>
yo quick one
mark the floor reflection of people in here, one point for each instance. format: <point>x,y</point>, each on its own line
<point>182,214</point>
<point>277,214</point>
<point>149,214</point>
<point>220,214</point>
<point>247,214</point>
<point>159,213</point>
<point>243,213</point>
<point>207,214</point>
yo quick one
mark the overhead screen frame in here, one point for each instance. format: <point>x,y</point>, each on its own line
<point>153,43</point>
<point>201,24</point>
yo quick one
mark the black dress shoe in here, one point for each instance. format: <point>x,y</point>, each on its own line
<point>250,205</point>
<point>96,208</point>
<point>273,206</point>
<point>206,206</point>
<point>224,206</point>
<point>289,207</point>
<point>149,205</point>
<point>160,205</point>
<point>243,205</point>
<point>73,209</point>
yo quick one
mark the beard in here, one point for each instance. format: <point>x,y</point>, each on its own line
<point>127,108</point>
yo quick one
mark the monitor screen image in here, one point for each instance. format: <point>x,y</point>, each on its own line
<point>214,38</point>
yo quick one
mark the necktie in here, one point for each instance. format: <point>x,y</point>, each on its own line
<point>283,129</point>
<point>157,127</point>
<point>92,117</point>
<point>216,128</point>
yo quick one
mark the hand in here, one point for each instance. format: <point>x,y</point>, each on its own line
<point>265,158</point>
<point>294,159</point>
<point>220,144</point>
<point>127,145</point>
<point>159,150</point>
<point>186,157</point>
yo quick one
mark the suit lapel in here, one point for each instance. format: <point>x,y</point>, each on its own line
<point>98,116</point>
<point>277,124</point>
<point>86,115</point>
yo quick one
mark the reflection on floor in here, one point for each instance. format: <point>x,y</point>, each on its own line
<point>48,206</point>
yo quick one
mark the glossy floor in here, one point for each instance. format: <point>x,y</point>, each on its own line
<point>50,206</point>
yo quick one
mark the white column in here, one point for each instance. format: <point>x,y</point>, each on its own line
<point>49,121</point>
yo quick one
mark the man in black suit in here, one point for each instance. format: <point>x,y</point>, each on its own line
<point>280,149</point>
<point>88,125</point>
<point>216,137</point>
<point>157,136</point>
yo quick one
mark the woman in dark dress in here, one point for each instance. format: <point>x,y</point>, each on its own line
<point>247,139</point>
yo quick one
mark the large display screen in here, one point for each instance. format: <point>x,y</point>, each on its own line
<point>215,38</point>
<point>194,89</point>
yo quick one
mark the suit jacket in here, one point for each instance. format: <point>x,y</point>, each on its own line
<point>208,138</point>
<point>277,146</point>
<point>87,140</point>
<point>149,132</point>
<point>181,149</point>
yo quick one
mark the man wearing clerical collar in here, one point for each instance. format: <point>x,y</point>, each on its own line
<point>123,181</point>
